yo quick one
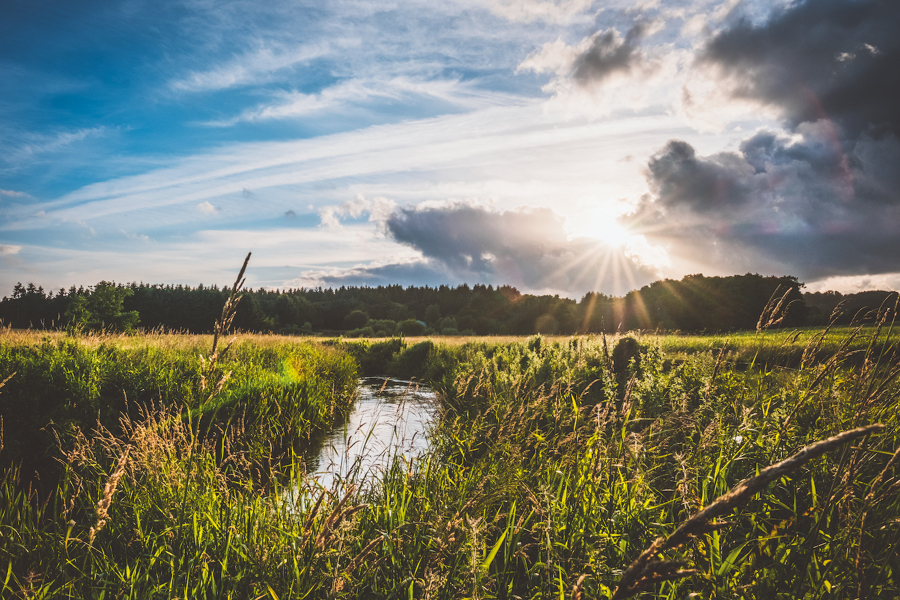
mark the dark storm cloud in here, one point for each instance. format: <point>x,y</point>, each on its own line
<point>703,185</point>
<point>816,59</point>
<point>472,238</point>
<point>416,273</point>
<point>608,54</point>
<point>797,204</point>
<point>821,198</point>
<point>527,248</point>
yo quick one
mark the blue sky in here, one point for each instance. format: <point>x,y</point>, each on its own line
<point>560,146</point>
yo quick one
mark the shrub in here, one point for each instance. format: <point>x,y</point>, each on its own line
<point>411,327</point>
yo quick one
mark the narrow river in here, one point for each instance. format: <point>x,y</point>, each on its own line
<point>389,417</point>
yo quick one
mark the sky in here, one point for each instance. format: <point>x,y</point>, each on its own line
<point>559,146</point>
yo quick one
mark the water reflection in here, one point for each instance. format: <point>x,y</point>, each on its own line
<point>390,417</point>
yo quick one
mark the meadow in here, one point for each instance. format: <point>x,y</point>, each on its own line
<point>153,466</point>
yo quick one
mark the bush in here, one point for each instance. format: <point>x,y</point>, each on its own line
<point>411,327</point>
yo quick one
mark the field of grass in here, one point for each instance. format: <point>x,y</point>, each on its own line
<point>556,463</point>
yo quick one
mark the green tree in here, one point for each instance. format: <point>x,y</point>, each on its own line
<point>432,314</point>
<point>103,309</point>
<point>356,320</point>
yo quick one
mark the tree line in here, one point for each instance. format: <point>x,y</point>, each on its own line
<point>692,304</point>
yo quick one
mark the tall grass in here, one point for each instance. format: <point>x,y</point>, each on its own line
<point>556,466</point>
<point>277,398</point>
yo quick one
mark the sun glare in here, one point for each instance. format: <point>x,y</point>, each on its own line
<point>603,224</point>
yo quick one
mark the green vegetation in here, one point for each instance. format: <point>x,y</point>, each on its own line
<point>276,396</point>
<point>556,463</point>
<point>102,309</point>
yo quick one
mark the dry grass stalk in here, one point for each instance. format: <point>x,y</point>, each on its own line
<point>645,572</point>
<point>607,359</point>
<point>102,511</point>
<point>715,373</point>
<point>775,311</point>
<point>626,401</point>
<point>357,560</point>
<point>223,324</point>
<point>829,367</point>
<point>2,383</point>
<point>337,515</point>
<point>578,588</point>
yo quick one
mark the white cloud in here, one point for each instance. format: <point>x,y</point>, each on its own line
<point>135,236</point>
<point>208,256</point>
<point>710,99</point>
<point>513,154</point>
<point>35,145</point>
<point>358,92</point>
<point>250,68</point>
<point>207,208</point>
<point>9,249</point>
<point>14,194</point>
<point>553,57</point>
<point>856,283</point>
<point>378,209</point>
<point>554,11</point>
<point>608,71</point>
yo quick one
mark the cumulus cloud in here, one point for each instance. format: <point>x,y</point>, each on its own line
<point>528,248</point>
<point>608,69</point>
<point>610,53</point>
<point>9,249</point>
<point>816,59</point>
<point>819,198</point>
<point>207,208</point>
<point>377,208</point>
<point>794,203</point>
<point>419,272</point>
<point>595,59</point>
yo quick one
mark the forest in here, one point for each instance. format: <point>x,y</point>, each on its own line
<point>696,303</point>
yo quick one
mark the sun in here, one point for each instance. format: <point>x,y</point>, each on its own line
<point>602,224</point>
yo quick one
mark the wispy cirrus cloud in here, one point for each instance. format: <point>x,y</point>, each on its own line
<point>13,194</point>
<point>251,68</point>
<point>507,141</point>
<point>362,92</point>
<point>555,11</point>
<point>31,145</point>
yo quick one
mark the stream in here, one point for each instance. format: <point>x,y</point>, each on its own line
<point>389,417</point>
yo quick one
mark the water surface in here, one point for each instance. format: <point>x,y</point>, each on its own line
<point>389,417</point>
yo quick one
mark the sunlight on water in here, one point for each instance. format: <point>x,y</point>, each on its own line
<point>389,417</point>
